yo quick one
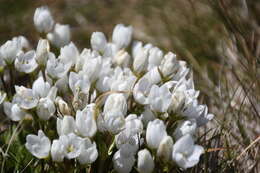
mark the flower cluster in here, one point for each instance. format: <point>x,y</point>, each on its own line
<point>141,104</point>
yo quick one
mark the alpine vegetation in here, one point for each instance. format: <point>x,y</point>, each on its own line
<point>120,103</point>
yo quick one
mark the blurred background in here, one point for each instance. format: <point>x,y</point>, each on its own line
<point>220,39</point>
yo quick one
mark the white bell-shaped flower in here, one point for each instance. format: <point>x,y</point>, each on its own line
<point>185,154</point>
<point>185,127</point>
<point>92,67</point>
<point>141,91</point>
<point>69,54</point>
<point>13,111</point>
<point>123,164</point>
<point>45,108</point>
<point>122,58</point>
<point>85,121</point>
<point>88,153</point>
<point>42,51</point>
<point>73,145</point>
<point>114,121</point>
<point>26,62</point>
<point>164,152</point>
<point>145,163</point>
<point>40,87</point>
<point>155,133</point>
<point>66,125</point>
<point>155,57</point>
<point>140,55</point>
<point>98,41</point>
<point>159,98</point>
<point>9,50</point>
<point>58,150</point>
<point>43,20</point>
<point>169,64</point>
<point>122,80</point>
<point>115,102</point>
<point>79,82</point>
<point>25,97</point>
<point>39,145</point>
<point>122,35</point>
<point>55,68</point>
<point>60,36</point>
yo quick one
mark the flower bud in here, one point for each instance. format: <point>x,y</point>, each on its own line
<point>155,133</point>
<point>66,125</point>
<point>45,108</point>
<point>123,164</point>
<point>43,20</point>
<point>164,152</point>
<point>98,41</point>
<point>122,35</point>
<point>9,50</point>
<point>145,163</point>
<point>85,121</point>
<point>57,151</point>
<point>61,35</point>
<point>122,58</point>
<point>42,51</point>
<point>62,106</point>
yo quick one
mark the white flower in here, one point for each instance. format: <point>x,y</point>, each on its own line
<point>55,68</point>
<point>85,56</point>
<point>23,41</point>
<point>169,64</point>
<point>123,164</point>
<point>66,125</point>
<point>39,145</point>
<point>153,75</point>
<point>69,54</point>
<point>159,98</point>
<point>40,88</point>
<point>114,121</point>
<point>45,108</point>
<point>58,151</point>
<point>140,55</point>
<point>155,133</point>
<point>128,139</point>
<point>141,91</point>
<point>43,20</point>
<point>25,97</point>
<point>122,58</point>
<point>10,50</point>
<point>88,152</point>
<point>26,62</point>
<point>116,102</point>
<point>145,163</point>
<point>92,68</point>
<point>13,111</point>
<point>85,121</point>
<point>155,57</point>
<point>98,41</point>
<point>122,80</point>
<point>185,127</point>
<point>164,151</point>
<point>72,144</point>
<point>61,35</point>
<point>79,82</point>
<point>185,153</point>
<point>42,51</point>
<point>122,35</point>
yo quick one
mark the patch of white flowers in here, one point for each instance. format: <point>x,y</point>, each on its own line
<point>141,102</point>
